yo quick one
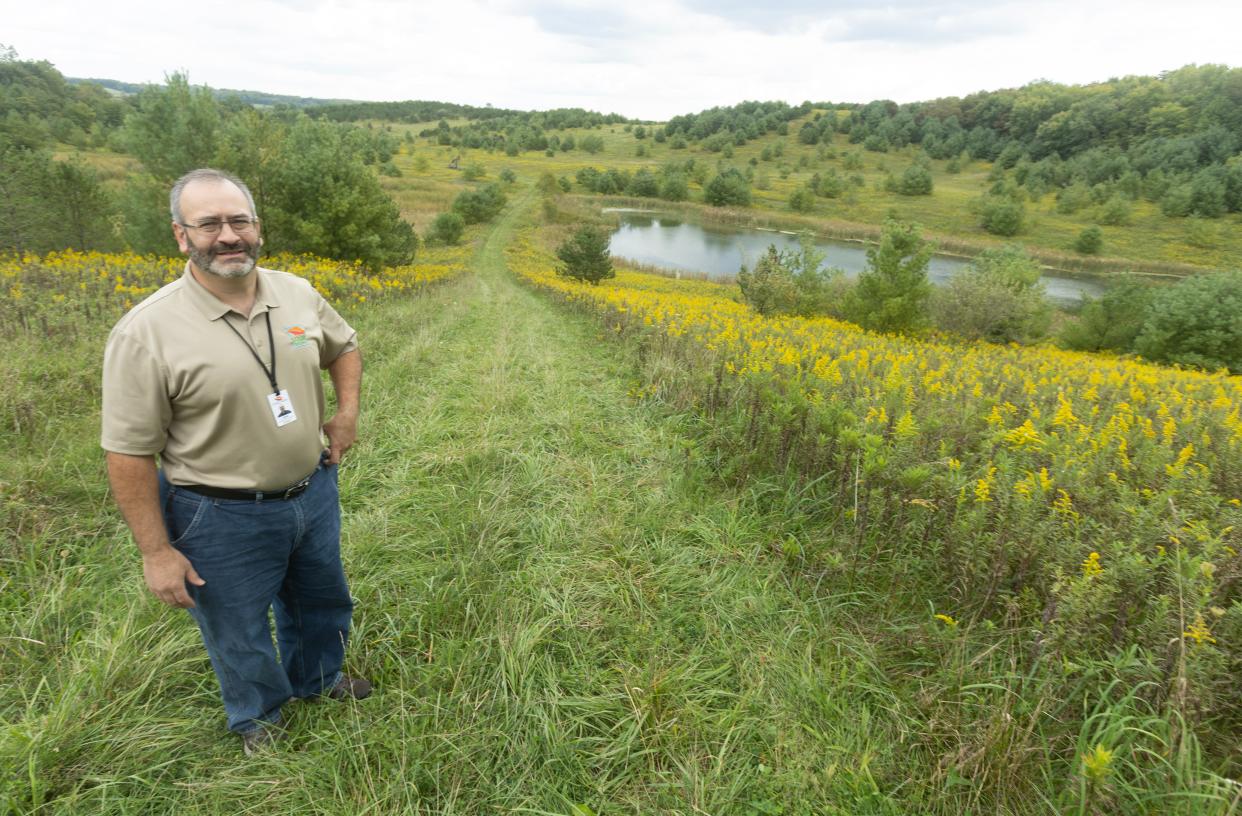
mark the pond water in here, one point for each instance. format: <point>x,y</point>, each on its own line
<point>663,240</point>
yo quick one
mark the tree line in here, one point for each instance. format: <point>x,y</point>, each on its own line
<point>1175,139</point>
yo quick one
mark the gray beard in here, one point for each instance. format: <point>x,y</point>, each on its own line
<point>205,261</point>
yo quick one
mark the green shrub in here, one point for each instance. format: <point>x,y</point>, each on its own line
<point>643,184</point>
<point>892,291</point>
<point>473,171</point>
<point>447,228</point>
<point>1073,198</point>
<point>585,256</point>
<point>477,206</point>
<point>508,176</point>
<point>1001,215</point>
<point>728,188</point>
<point>1116,211</point>
<point>1177,201</point>
<point>792,282</point>
<point>1090,241</point>
<point>829,185</point>
<point>1197,322</point>
<point>1113,321</point>
<point>916,180</point>
<point>802,200</point>
<point>769,288</point>
<point>674,187</point>
<point>998,298</point>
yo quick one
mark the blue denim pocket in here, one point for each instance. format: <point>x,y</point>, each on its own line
<point>183,512</point>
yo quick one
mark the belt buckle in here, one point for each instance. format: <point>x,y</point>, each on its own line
<point>297,489</point>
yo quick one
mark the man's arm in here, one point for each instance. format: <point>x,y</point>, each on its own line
<point>342,429</point>
<point>135,486</point>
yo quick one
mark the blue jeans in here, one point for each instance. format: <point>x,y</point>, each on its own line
<point>257,556</point>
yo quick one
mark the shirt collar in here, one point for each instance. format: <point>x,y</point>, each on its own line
<point>213,308</point>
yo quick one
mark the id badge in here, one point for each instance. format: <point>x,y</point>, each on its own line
<point>282,408</point>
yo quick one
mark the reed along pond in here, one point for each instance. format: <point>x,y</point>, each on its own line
<point>718,252</point>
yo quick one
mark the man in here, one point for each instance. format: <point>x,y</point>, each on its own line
<point>218,373</point>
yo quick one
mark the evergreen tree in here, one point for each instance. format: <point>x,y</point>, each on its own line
<point>892,291</point>
<point>585,256</point>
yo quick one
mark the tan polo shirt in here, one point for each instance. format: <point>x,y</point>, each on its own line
<point>179,383</point>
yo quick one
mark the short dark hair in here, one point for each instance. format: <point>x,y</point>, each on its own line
<point>204,174</point>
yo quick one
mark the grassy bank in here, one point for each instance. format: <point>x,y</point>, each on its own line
<point>563,607</point>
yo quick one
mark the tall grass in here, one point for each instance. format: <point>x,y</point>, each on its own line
<point>564,609</point>
<point>949,477</point>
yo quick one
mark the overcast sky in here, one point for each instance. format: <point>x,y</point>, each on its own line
<point>647,60</point>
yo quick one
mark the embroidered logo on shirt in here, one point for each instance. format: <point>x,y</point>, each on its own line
<point>297,336</point>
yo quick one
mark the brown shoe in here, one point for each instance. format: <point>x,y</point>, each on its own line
<point>350,688</point>
<point>261,739</point>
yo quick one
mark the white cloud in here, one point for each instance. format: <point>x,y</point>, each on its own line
<point>651,60</point>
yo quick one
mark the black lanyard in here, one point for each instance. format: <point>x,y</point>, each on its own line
<point>271,345</point>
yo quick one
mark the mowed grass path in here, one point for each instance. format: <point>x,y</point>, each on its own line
<point>561,616</point>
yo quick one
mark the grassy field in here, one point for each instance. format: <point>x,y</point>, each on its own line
<point>560,616</point>
<point>565,608</point>
<point>596,577</point>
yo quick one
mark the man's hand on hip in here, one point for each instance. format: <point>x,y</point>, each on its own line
<point>167,572</point>
<point>341,431</point>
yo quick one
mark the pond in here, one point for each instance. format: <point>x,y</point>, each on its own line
<point>664,240</point>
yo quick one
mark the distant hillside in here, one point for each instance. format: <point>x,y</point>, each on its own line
<point>258,98</point>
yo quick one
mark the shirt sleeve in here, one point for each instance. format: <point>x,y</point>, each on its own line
<point>338,336</point>
<point>136,407</point>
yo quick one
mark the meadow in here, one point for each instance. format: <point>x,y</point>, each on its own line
<point>631,548</point>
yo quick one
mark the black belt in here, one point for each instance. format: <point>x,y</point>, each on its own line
<point>293,491</point>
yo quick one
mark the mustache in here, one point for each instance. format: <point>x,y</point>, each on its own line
<point>233,246</point>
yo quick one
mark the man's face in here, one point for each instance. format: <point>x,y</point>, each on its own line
<point>227,254</point>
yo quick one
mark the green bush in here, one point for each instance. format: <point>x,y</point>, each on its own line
<point>829,185</point>
<point>643,184</point>
<point>1073,198</point>
<point>1001,215</point>
<point>447,228</point>
<point>674,187</point>
<point>728,188</point>
<point>792,282</point>
<point>1090,241</point>
<point>1197,322</point>
<point>892,292</point>
<point>477,206</point>
<point>1115,212</point>
<point>1177,201</point>
<point>916,180</point>
<point>769,288</point>
<point>802,200</point>
<point>585,256</point>
<point>998,298</point>
<point>1113,321</point>
<point>473,171</point>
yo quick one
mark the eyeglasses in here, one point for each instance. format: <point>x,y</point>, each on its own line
<point>240,224</point>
